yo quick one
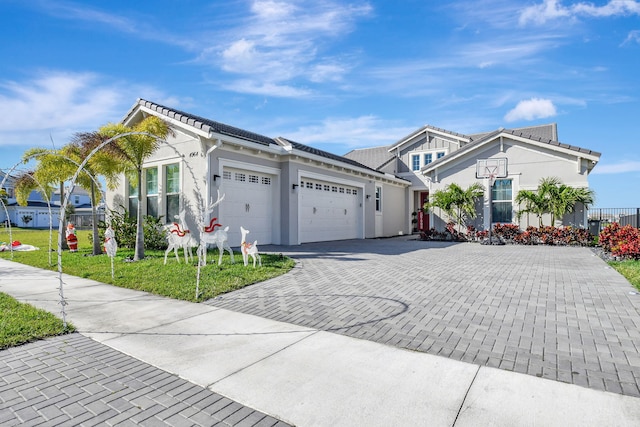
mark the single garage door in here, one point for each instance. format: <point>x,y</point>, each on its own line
<point>329,211</point>
<point>248,202</point>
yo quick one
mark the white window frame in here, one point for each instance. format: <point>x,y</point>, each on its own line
<point>378,199</point>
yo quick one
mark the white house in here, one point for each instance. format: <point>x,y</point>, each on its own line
<point>431,158</point>
<point>284,192</point>
<point>289,193</point>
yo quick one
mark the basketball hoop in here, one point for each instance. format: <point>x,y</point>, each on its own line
<point>491,169</point>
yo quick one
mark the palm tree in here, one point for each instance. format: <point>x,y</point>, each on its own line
<point>102,163</point>
<point>459,204</point>
<point>534,203</point>
<point>133,149</point>
<point>552,197</point>
<point>52,169</point>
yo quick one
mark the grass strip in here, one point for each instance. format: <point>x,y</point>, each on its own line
<point>21,323</point>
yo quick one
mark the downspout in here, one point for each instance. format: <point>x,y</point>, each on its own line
<point>206,156</point>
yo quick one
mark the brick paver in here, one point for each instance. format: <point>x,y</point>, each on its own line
<point>73,380</point>
<point>554,312</point>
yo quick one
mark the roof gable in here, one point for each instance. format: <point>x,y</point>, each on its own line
<point>515,134</point>
<point>429,129</point>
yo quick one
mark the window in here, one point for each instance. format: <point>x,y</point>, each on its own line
<point>172,189</point>
<point>133,200</point>
<point>378,199</point>
<point>502,205</point>
<point>253,179</point>
<point>76,200</point>
<point>415,162</point>
<point>326,187</point>
<point>334,189</point>
<point>241,177</point>
<point>151,178</point>
<point>309,184</point>
<point>226,175</point>
<point>440,154</point>
<point>428,158</point>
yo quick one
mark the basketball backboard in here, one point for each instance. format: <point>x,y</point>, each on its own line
<point>491,168</point>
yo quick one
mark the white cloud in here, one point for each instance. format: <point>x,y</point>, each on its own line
<point>56,100</point>
<point>281,42</point>
<point>615,168</point>
<point>633,36</point>
<point>353,132</point>
<point>266,89</point>
<point>550,10</point>
<point>531,109</point>
<point>57,104</point>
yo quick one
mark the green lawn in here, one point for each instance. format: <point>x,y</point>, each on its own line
<point>174,280</point>
<point>630,270</point>
<point>21,323</point>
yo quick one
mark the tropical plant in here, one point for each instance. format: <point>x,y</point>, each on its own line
<point>52,169</point>
<point>133,146</point>
<point>103,163</point>
<point>552,197</point>
<point>459,204</point>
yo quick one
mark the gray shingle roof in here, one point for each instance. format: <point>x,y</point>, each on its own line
<point>520,132</point>
<point>208,125</point>
<point>374,157</point>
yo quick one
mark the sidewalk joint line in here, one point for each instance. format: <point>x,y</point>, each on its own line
<point>464,399</point>
<point>264,358</point>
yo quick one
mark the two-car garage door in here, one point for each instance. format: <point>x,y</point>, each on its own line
<point>329,211</point>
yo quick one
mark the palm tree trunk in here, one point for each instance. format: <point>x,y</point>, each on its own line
<point>97,249</point>
<point>139,251</point>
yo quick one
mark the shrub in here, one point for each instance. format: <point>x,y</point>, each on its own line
<point>506,232</point>
<point>621,241</point>
<point>125,230</point>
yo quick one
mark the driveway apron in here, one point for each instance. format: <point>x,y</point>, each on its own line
<point>559,313</point>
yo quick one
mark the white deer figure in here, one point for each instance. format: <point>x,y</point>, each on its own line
<point>249,249</point>
<point>110,245</point>
<point>178,237</point>
<point>218,237</point>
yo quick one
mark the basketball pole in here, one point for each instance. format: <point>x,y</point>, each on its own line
<point>492,180</point>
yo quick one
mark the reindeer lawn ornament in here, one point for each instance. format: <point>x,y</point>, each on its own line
<point>219,237</point>
<point>179,237</point>
<point>249,249</point>
<point>110,245</point>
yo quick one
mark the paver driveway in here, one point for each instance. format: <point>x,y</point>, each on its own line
<point>553,312</point>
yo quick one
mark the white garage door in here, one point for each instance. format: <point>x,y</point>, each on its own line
<point>329,211</point>
<point>248,202</point>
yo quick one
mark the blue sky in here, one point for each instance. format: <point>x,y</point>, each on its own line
<point>334,75</point>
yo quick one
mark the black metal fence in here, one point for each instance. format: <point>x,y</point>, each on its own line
<point>601,217</point>
<point>84,221</point>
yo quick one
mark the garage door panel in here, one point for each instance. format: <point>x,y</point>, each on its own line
<point>328,211</point>
<point>248,202</point>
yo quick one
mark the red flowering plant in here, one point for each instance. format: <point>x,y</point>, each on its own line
<point>621,241</point>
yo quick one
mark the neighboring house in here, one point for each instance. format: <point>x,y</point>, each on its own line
<point>431,158</point>
<point>282,191</point>
<point>36,213</point>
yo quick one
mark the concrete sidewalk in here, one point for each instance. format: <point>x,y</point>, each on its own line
<point>307,377</point>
